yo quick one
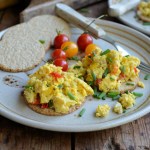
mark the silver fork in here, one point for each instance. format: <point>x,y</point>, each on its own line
<point>72,16</point>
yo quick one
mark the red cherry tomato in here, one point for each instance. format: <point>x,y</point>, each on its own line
<point>58,53</point>
<point>60,39</point>
<point>84,40</point>
<point>62,63</point>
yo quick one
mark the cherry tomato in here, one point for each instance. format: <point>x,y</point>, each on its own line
<point>70,48</point>
<point>62,63</point>
<point>90,48</point>
<point>84,40</point>
<point>60,39</point>
<point>58,53</point>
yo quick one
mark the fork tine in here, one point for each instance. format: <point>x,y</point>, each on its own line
<point>144,69</point>
<point>144,65</point>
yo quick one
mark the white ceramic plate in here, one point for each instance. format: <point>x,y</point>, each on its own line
<point>12,105</point>
<point>130,19</point>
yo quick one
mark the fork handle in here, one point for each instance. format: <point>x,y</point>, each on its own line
<point>72,16</point>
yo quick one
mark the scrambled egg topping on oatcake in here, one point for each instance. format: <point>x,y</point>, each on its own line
<point>62,89</point>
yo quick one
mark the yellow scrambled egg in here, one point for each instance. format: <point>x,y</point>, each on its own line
<point>107,70</point>
<point>53,85</point>
<point>102,110</point>
<point>144,8</point>
<point>118,108</point>
<point>127,100</point>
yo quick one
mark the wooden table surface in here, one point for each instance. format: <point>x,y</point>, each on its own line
<point>14,136</point>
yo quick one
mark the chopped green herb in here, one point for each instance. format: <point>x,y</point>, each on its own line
<point>146,23</point>
<point>109,59</point>
<point>104,97</point>
<point>137,94</point>
<point>48,85</point>
<point>82,112</point>
<point>124,111</point>
<point>105,72</point>
<point>76,67</point>
<point>105,52</point>
<point>147,77</point>
<point>84,10</point>
<point>116,97</point>
<point>80,77</point>
<point>42,41</point>
<point>90,83</point>
<point>113,94</point>
<point>93,76</point>
<point>50,103</point>
<point>130,83</point>
<point>127,55</point>
<point>74,58</point>
<point>96,93</point>
<point>71,96</point>
<point>112,79</point>
<point>60,86</point>
<point>103,94</point>
<point>122,68</point>
<point>28,87</point>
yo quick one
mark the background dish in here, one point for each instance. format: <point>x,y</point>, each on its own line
<point>13,107</point>
<point>130,19</point>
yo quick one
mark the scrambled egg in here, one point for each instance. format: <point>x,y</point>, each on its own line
<point>118,108</point>
<point>102,110</point>
<point>51,84</point>
<point>127,100</point>
<point>144,8</point>
<point>107,71</point>
<point>141,84</point>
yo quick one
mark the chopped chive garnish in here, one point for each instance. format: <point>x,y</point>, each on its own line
<point>147,77</point>
<point>97,93</point>
<point>90,83</point>
<point>104,97</point>
<point>60,86</point>
<point>146,23</point>
<point>74,58</point>
<point>105,72</point>
<point>82,112</point>
<point>71,96</point>
<point>109,59</point>
<point>124,111</point>
<point>103,94</point>
<point>130,83</point>
<point>84,10</point>
<point>116,97</point>
<point>137,94</point>
<point>76,67</point>
<point>93,76</point>
<point>113,94</point>
<point>42,41</point>
<point>50,103</point>
<point>127,55</point>
<point>122,68</point>
<point>105,52</point>
<point>112,79</point>
<point>28,87</point>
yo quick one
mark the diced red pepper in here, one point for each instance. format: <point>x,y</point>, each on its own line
<point>98,81</point>
<point>135,70</point>
<point>45,105</point>
<point>37,100</point>
<point>122,76</point>
<point>56,75</point>
<point>115,69</point>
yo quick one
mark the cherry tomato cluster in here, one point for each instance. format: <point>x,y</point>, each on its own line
<point>64,48</point>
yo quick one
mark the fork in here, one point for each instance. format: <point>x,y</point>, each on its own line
<point>72,16</point>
